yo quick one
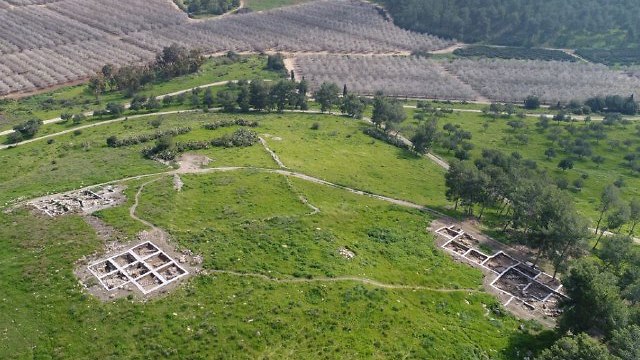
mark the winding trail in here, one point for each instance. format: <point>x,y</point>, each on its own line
<point>158,233</point>
<point>99,123</point>
<point>361,280</point>
<point>274,156</point>
<point>155,232</point>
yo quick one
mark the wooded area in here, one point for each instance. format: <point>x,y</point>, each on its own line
<point>557,23</point>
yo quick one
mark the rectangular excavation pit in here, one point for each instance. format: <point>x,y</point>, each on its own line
<point>171,271</point>
<point>114,280</point>
<point>124,259</point>
<point>512,282</point>
<point>476,256</point>
<point>500,262</point>
<point>549,281</point>
<point>102,268</point>
<point>144,265</point>
<point>145,250</point>
<point>136,270</point>
<point>537,291</point>
<point>457,247</point>
<point>149,282</point>
<point>158,260</point>
<point>449,232</point>
<point>467,240</point>
<point>528,270</point>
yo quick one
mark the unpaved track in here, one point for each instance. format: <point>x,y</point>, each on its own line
<point>106,122</point>
<point>156,233</point>
<point>288,173</point>
<point>440,162</point>
<point>274,156</point>
<point>361,280</point>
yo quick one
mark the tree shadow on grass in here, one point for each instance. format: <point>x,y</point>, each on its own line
<point>404,154</point>
<point>528,344</point>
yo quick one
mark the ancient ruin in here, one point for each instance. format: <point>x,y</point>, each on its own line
<point>85,201</point>
<point>523,284</point>
<point>145,265</point>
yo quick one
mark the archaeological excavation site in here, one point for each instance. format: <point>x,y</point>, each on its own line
<point>144,266</point>
<point>519,285</point>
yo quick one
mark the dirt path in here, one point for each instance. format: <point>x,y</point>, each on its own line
<point>155,233</point>
<point>158,234</point>
<point>274,156</point>
<point>449,50</point>
<point>100,123</point>
<point>361,280</point>
<point>290,65</point>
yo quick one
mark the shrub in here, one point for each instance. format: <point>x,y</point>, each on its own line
<point>225,123</point>
<point>28,128</point>
<point>113,141</point>
<point>383,136</point>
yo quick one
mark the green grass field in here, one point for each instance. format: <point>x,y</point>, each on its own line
<point>260,5</point>
<point>499,135</point>
<point>241,223</point>
<point>248,221</point>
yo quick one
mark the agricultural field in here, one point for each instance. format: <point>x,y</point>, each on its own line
<point>483,79</point>
<point>515,53</point>
<point>261,5</point>
<point>396,76</point>
<point>551,81</point>
<point>95,33</point>
<point>78,99</point>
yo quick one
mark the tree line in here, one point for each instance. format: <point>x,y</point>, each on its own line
<point>601,316</point>
<point>557,23</point>
<point>171,62</point>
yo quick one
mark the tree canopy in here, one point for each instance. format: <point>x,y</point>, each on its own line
<point>556,23</point>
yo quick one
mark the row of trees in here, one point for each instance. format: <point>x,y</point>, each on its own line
<point>539,213</point>
<point>604,291</point>
<point>171,62</point>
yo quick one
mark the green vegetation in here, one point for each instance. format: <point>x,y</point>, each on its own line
<point>227,315</point>
<point>272,232</point>
<point>514,53</point>
<point>555,23</point>
<point>611,57</point>
<point>78,99</point>
<point>249,222</point>
<point>260,5</point>
<point>606,156</point>
<point>199,8</point>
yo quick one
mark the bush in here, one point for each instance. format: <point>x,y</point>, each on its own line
<point>225,123</point>
<point>28,128</point>
<point>113,141</point>
<point>383,136</point>
<point>239,138</point>
<point>114,109</point>
<point>14,138</point>
<point>275,62</point>
<point>315,126</point>
<point>78,119</point>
